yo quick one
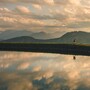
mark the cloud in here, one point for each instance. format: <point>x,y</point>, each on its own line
<point>23,9</point>
<point>37,6</point>
<point>22,84</point>
<point>85,3</point>
<point>79,25</point>
<point>15,56</point>
<point>50,2</point>
<point>23,66</point>
<point>10,1</point>
<point>4,10</point>
<point>18,19</point>
<point>45,15</point>
<point>4,65</point>
<point>48,74</point>
<point>20,60</point>
<point>50,70</point>
<point>43,2</point>
<point>36,69</point>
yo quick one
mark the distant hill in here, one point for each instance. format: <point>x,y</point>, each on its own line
<point>8,34</point>
<point>42,35</point>
<point>81,37</point>
<point>22,39</point>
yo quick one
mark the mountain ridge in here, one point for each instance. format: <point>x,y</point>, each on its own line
<point>8,34</point>
<point>80,37</point>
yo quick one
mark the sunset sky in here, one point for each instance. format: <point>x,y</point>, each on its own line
<point>45,15</point>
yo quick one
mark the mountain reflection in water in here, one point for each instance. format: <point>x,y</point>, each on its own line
<point>37,71</point>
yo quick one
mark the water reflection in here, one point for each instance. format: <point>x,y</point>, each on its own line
<point>37,71</point>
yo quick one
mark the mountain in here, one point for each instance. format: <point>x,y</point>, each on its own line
<point>22,39</point>
<point>81,38</point>
<point>8,34</point>
<point>42,35</point>
<point>14,33</point>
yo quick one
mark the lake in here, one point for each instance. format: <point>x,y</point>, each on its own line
<point>43,71</point>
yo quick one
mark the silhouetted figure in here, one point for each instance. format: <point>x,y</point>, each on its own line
<point>74,41</point>
<point>74,58</point>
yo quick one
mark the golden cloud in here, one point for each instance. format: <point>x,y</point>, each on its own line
<point>23,9</point>
<point>23,66</point>
<point>37,6</point>
<point>36,69</point>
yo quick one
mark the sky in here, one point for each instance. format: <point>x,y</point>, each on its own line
<point>45,15</point>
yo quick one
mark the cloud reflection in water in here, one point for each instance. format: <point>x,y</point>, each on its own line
<point>37,71</point>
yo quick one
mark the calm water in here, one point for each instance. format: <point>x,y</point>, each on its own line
<point>37,71</point>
